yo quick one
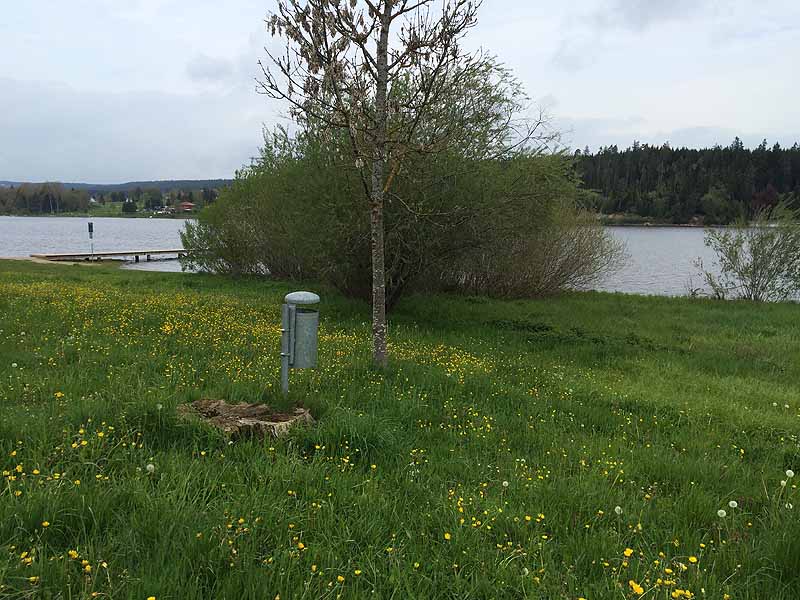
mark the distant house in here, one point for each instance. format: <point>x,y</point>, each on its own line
<point>186,206</point>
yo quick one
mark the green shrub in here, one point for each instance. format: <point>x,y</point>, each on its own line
<point>492,213</point>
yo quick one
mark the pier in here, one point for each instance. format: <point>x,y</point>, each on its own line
<point>99,255</point>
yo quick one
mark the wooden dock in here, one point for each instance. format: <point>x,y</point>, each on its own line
<point>100,255</point>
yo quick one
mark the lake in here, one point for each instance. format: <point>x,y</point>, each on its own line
<point>23,236</point>
<point>660,259</point>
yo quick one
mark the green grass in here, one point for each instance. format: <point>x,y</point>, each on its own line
<point>486,462</point>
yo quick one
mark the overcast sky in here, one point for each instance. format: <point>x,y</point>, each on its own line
<point>119,90</point>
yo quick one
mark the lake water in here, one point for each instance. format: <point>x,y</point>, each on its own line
<point>23,236</point>
<point>660,259</point>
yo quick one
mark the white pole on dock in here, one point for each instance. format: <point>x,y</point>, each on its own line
<point>91,239</point>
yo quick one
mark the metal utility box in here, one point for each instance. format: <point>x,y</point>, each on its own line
<point>304,335</point>
<point>300,324</point>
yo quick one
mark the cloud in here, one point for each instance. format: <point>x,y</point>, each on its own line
<point>639,15</point>
<point>598,132</point>
<point>60,133</point>
<point>709,136</point>
<point>586,37</point>
<point>206,69</point>
<point>573,55</point>
<point>177,98</point>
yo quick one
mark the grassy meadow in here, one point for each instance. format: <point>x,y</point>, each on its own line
<point>580,447</point>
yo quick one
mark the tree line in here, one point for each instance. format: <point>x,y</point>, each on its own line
<point>56,198</point>
<point>712,185</point>
<point>44,198</point>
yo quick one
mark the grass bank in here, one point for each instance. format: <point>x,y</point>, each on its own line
<point>487,462</point>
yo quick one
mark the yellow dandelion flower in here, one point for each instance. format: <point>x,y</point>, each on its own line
<point>637,589</point>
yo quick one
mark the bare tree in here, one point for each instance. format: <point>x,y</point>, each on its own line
<point>379,70</point>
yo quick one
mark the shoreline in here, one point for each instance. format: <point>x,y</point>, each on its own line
<point>91,216</point>
<point>660,225</point>
<point>44,261</point>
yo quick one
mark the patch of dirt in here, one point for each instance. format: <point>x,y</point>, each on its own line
<point>244,420</point>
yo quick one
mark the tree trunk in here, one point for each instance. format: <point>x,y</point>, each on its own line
<point>379,353</point>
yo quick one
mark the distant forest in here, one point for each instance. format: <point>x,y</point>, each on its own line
<point>712,186</point>
<point>164,185</point>
<point>642,183</point>
<point>58,198</point>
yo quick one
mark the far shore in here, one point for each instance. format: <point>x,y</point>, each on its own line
<point>104,216</point>
<point>186,216</point>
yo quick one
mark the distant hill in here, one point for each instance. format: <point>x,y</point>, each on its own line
<point>163,186</point>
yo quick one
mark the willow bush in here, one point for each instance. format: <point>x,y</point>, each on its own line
<point>493,213</point>
<point>757,260</point>
<point>500,228</point>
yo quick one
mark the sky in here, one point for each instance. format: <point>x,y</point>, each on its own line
<point>109,91</point>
